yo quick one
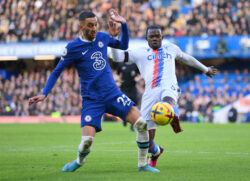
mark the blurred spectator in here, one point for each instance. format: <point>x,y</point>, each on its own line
<point>232,114</point>
<point>221,46</point>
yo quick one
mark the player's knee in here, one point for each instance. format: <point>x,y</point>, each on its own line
<point>172,102</point>
<point>141,125</point>
<point>86,144</point>
<point>169,100</point>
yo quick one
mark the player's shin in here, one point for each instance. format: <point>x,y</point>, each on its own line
<point>142,141</point>
<point>84,149</point>
<point>154,149</point>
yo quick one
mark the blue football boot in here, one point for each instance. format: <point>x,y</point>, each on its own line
<point>147,168</point>
<point>71,167</point>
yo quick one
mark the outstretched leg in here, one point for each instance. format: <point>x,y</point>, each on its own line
<point>176,122</point>
<point>83,149</point>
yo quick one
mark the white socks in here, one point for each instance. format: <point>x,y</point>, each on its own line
<point>84,149</point>
<point>142,141</point>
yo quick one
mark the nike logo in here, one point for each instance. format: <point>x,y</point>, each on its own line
<point>83,53</point>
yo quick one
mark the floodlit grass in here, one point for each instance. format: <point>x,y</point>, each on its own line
<point>202,152</point>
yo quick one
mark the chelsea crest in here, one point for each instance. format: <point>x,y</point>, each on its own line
<point>100,44</point>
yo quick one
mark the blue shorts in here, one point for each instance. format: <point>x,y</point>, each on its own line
<point>117,104</point>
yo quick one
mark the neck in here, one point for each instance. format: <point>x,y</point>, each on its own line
<point>85,38</point>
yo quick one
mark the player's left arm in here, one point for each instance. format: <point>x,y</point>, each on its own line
<point>191,61</point>
<point>114,29</point>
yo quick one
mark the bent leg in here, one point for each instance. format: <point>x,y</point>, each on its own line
<point>151,135</point>
<point>154,149</point>
<point>176,122</point>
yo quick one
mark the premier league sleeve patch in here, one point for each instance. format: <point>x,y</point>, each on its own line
<point>65,51</point>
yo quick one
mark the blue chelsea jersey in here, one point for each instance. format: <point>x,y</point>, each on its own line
<point>91,62</point>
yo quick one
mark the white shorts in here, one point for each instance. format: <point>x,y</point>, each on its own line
<point>153,96</point>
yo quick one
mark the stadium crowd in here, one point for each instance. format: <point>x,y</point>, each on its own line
<point>197,102</point>
<point>201,97</point>
<point>64,100</point>
<point>28,20</point>
<point>52,20</point>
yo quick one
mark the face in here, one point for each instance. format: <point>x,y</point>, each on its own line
<point>89,28</point>
<point>154,38</point>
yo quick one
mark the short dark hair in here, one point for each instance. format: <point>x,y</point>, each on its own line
<point>153,27</point>
<point>86,14</point>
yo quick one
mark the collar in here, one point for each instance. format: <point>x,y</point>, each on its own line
<point>84,40</point>
<point>159,49</point>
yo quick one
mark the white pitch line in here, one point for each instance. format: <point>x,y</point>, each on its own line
<point>115,150</point>
<point>74,147</point>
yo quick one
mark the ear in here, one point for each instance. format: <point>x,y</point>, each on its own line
<point>81,25</point>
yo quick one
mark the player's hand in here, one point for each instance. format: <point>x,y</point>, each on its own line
<point>211,71</point>
<point>36,99</point>
<point>114,28</point>
<point>116,17</point>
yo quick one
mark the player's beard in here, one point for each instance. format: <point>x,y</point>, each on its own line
<point>90,35</point>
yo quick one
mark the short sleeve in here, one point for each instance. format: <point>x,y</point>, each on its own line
<point>179,53</point>
<point>135,55</point>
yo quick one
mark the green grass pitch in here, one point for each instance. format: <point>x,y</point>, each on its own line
<point>203,152</point>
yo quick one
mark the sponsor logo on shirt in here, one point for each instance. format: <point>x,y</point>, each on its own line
<point>159,56</point>
<point>83,53</point>
<point>99,62</point>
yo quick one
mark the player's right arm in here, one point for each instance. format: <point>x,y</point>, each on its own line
<point>65,61</point>
<point>193,62</point>
<point>116,23</point>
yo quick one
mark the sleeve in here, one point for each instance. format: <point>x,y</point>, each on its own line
<point>190,60</point>
<point>66,60</point>
<point>123,56</point>
<point>123,42</point>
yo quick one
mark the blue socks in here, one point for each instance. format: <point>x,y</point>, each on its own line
<point>153,148</point>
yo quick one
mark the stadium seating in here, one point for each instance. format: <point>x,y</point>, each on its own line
<point>56,20</point>
<point>52,21</point>
<point>225,88</point>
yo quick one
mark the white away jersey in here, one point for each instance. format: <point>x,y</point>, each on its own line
<point>157,66</point>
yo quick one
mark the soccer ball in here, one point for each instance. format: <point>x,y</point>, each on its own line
<point>162,113</point>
